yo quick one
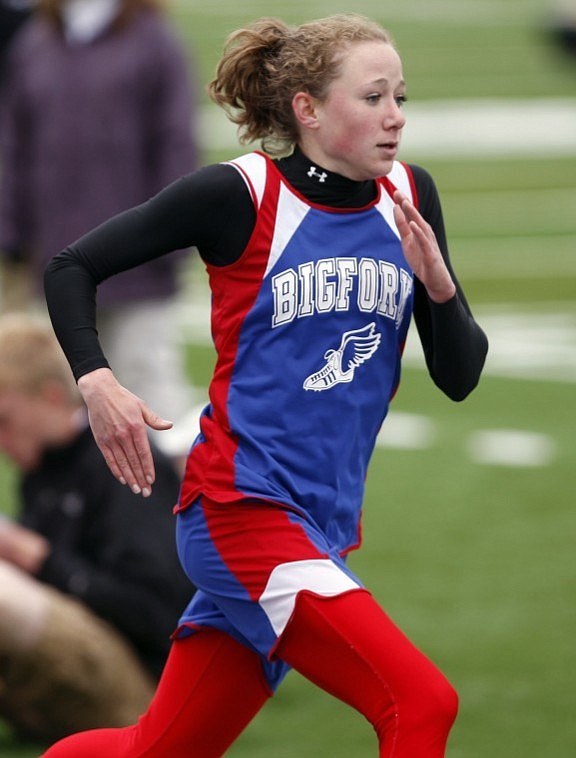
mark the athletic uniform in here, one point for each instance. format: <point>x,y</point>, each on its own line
<point>309,334</point>
<point>311,302</point>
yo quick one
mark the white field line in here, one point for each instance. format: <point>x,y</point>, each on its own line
<point>475,128</point>
<point>538,345</point>
<point>522,346</point>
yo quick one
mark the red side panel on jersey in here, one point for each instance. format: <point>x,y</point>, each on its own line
<point>234,290</point>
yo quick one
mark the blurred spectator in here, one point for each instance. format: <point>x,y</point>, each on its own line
<point>97,116</point>
<point>90,583</point>
<point>13,13</point>
<point>563,26</point>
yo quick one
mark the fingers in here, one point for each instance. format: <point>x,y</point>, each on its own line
<point>132,456</point>
<point>126,449</point>
<point>401,221</point>
<point>129,458</point>
<point>119,422</point>
<point>421,250</point>
<point>409,215</point>
<point>401,200</point>
<point>407,218</point>
<point>403,205</point>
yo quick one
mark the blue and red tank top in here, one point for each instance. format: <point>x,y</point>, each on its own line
<point>309,327</point>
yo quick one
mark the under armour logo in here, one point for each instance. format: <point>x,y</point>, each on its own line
<point>321,177</point>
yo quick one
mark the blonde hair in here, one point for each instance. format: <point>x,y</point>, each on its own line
<point>266,63</point>
<point>30,356</point>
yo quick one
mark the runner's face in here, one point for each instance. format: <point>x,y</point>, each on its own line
<point>360,122</point>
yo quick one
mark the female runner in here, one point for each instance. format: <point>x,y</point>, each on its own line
<point>318,252</point>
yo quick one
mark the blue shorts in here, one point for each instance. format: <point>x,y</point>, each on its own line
<point>249,560</point>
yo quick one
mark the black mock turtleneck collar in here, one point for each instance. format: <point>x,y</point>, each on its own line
<point>324,187</point>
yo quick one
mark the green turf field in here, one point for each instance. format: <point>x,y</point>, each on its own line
<point>469,548</point>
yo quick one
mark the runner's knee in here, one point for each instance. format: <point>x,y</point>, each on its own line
<point>428,707</point>
<point>436,701</point>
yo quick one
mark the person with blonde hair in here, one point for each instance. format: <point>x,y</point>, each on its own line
<point>319,248</point>
<point>90,585</point>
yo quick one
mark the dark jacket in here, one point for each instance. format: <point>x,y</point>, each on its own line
<point>112,550</point>
<point>12,16</point>
<point>88,130</point>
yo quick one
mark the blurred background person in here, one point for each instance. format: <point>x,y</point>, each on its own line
<point>98,114</point>
<point>90,583</point>
<point>562,26</point>
<point>13,13</point>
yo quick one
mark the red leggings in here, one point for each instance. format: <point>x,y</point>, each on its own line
<point>212,687</point>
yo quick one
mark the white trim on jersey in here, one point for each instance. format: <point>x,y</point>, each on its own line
<point>400,179</point>
<point>252,167</point>
<point>320,576</point>
<point>292,211</point>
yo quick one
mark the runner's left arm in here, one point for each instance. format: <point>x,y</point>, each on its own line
<point>454,345</point>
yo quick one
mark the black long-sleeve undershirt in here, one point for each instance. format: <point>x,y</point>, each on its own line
<point>213,211</point>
